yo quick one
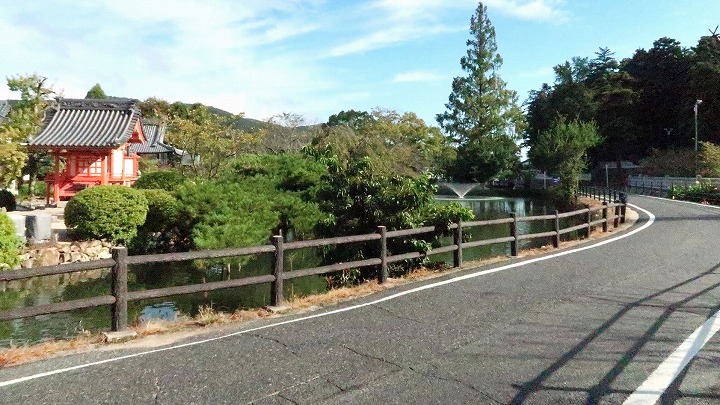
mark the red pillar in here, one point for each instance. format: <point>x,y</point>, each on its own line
<point>56,179</point>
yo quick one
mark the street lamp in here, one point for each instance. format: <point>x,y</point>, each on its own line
<point>697,103</point>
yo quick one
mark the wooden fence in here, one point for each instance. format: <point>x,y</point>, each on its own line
<point>119,296</point>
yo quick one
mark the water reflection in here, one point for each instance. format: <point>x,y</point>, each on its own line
<point>165,311</point>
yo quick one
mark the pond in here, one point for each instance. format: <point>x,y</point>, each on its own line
<point>45,290</point>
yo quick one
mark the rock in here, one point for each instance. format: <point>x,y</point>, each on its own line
<point>47,257</point>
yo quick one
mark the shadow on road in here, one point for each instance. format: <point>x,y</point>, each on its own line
<point>603,387</point>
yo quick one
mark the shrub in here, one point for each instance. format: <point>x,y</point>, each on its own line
<point>10,244</point>
<point>7,200</point>
<point>700,192</point>
<point>110,213</point>
<point>165,180</point>
<point>162,211</point>
<point>161,232</point>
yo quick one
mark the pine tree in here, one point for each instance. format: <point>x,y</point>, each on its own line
<point>96,92</point>
<point>482,116</point>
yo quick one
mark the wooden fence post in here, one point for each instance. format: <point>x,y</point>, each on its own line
<point>276,293</point>
<point>383,271</point>
<point>616,219</point>
<point>457,240</point>
<point>622,213</point>
<point>514,234</point>
<point>556,237</point>
<point>605,217</point>
<point>588,217</point>
<point>118,310</point>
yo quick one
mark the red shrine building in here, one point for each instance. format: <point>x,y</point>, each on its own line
<point>90,142</point>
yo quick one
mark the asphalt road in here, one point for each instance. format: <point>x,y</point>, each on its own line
<point>588,326</point>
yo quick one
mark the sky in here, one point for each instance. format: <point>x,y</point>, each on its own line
<point>318,57</point>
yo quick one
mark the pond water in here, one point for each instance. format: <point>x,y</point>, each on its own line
<point>45,290</point>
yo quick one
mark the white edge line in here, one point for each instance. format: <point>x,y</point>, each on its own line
<point>650,391</point>
<point>344,309</point>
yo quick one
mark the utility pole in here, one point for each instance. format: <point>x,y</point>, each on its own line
<point>697,103</point>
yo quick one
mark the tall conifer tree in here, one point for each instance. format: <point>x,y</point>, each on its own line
<point>482,115</point>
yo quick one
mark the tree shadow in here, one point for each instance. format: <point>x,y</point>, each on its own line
<point>603,387</point>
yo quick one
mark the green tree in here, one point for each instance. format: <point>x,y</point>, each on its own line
<point>209,139</point>
<point>676,162</point>
<point>481,110</point>
<point>357,199</point>
<point>395,143</point>
<point>350,118</point>
<point>569,97</point>
<point>660,77</point>
<point>709,162</point>
<point>287,133</point>
<point>705,86</point>
<point>24,120</point>
<point>96,92</point>
<point>563,149</point>
<point>615,114</point>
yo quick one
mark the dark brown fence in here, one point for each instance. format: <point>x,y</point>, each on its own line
<point>119,296</point>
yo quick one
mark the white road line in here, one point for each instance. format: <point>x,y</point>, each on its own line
<point>650,391</point>
<point>346,309</point>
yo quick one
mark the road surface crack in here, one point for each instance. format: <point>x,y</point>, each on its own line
<point>278,341</point>
<point>463,383</point>
<point>279,392</point>
<point>157,390</point>
<point>425,374</point>
<point>369,356</point>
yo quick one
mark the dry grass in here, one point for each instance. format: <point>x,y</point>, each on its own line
<point>13,356</point>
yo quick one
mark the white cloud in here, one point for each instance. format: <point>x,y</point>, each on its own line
<point>534,10</point>
<point>418,76</point>
<point>392,22</point>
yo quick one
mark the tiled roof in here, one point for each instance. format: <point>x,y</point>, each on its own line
<point>155,135</point>
<point>88,123</point>
<point>4,109</point>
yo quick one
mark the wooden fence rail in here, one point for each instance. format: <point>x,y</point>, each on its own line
<point>613,212</point>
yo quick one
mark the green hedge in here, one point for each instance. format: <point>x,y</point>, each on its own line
<point>165,180</point>
<point>10,244</point>
<point>163,210</point>
<point>700,192</point>
<point>110,213</point>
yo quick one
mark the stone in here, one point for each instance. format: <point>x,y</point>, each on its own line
<point>48,257</point>
<point>276,308</point>
<point>119,336</point>
<point>38,227</point>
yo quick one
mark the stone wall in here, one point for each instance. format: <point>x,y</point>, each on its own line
<point>64,252</point>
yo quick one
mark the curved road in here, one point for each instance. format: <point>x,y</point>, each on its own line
<point>631,320</point>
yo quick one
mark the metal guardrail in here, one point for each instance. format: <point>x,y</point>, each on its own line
<point>119,296</point>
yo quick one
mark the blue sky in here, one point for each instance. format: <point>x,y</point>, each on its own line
<point>315,57</point>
